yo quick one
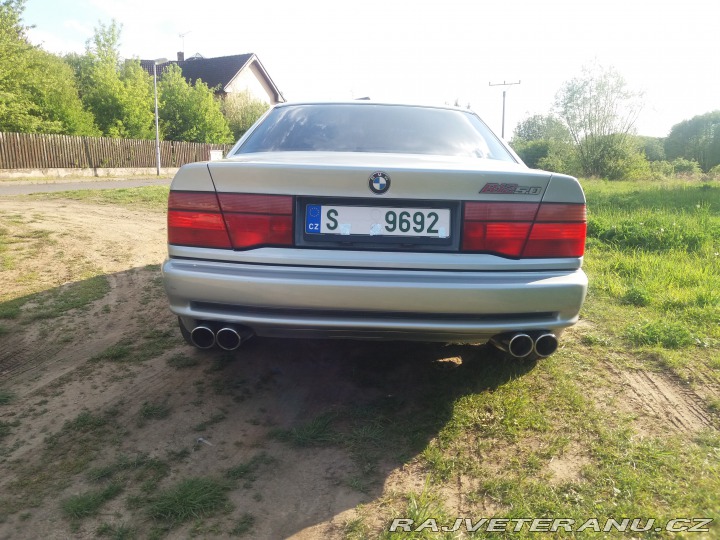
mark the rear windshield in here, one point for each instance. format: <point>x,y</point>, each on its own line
<point>374,128</point>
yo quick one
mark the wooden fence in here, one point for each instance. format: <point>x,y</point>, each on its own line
<point>39,151</point>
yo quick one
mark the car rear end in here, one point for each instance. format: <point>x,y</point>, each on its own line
<point>375,245</point>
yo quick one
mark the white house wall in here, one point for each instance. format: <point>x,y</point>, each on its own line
<point>251,79</point>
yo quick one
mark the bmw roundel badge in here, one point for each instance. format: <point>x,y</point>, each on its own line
<point>379,182</point>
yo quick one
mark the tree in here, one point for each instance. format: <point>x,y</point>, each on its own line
<point>543,141</point>
<point>37,89</point>
<point>16,107</point>
<point>241,110</point>
<point>542,127</point>
<point>119,94</point>
<point>190,112</point>
<point>599,111</point>
<point>652,147</point>
<point>697,139</point>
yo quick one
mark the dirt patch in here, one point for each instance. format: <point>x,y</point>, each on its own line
<point>661,403</point>
<point>84,380</point>
<point>567,467</point>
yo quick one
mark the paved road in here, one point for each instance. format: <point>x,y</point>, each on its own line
<point>22,187</point>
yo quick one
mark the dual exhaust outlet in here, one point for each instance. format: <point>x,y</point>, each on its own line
<point>227,337</point>
<point>520,345</point>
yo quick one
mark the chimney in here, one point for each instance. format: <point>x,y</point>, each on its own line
<point>181,56</point>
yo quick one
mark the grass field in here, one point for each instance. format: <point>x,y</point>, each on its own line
<point>149,197</point>
<point>653,256</point>
<point>464,433</point>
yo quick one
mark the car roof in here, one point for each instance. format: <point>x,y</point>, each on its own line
<point>368,102</point>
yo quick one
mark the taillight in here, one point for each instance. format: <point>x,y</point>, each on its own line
<point>194,219</point>
<point>258,220</point>
<point>229,220</point>
<point>524,229</point>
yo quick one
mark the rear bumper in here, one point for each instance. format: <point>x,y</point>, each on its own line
<point>373,303</point>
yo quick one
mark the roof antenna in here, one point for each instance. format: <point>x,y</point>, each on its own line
<point>182,36</point>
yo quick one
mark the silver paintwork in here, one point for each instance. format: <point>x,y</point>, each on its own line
<point>437,296</point>
<point>281,300</point>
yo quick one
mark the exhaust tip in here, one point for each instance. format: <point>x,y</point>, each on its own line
<point>516,345</point>
<point>520,345</point>
<point>202,337</point>
<point>228,339</point>
<point>545,345</point>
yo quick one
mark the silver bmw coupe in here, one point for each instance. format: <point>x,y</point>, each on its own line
<point>364,220</point>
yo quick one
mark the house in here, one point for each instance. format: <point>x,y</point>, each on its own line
<point>226,74</point>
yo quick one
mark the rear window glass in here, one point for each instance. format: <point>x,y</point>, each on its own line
<point>374,128</point>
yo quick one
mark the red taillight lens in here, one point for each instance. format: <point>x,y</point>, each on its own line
<point>248,230</point>
<point>524,229</point>
<point>502,238</point>
<point>229,220</point>
<point>194,219</point>
<point>258,220</point>
<point>556,240</point>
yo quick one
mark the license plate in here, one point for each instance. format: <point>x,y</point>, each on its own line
<point>377,221</point>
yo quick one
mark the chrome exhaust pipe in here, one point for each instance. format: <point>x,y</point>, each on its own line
<point>518,345</point>
<point>230,338</point>
<point>202,337</point>
<point>545,345</point>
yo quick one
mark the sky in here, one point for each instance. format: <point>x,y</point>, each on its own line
<point>432,52</point>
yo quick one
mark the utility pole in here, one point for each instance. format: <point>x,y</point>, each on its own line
<point>504,91</point>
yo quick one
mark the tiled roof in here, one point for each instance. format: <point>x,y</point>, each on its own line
<point>215,72</point>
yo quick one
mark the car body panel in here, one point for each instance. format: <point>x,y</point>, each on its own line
<point>474,305</point>
<point>383,291</point>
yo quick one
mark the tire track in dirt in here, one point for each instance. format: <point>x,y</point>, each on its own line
<point>658,396</point>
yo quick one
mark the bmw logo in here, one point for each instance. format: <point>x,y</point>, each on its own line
<point>379,182</point>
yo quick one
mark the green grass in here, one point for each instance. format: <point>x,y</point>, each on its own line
<point>6,396</point>
<point>152,343</point>
<point>243,525</point>
<point>138,468</point>
<point>88,504</point>
<point>115,531</point>
<point>191,498</point>
<point>215,418</point>
<point>6,428</point>
<point>147,197</point>
<point>182,361</point>
<point>153,411</point>
<point>248,471</point>
<point>653,257</point>
<point>317,432</point>
<point>57,302</point>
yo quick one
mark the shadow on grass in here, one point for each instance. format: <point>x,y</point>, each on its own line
<point>376,404</point>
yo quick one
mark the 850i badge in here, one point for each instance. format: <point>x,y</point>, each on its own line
<point>511,189</point>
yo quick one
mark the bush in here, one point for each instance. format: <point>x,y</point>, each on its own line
<point>661,169</point>
<point>687,168</point>
<point>714,173</point>
<point>241,110</point>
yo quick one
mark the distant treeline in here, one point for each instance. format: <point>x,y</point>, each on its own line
<point>100,94</point>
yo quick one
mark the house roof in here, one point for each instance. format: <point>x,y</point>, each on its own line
<point>216,72</point>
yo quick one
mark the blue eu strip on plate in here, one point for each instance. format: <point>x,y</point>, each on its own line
<point>312,218</point>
